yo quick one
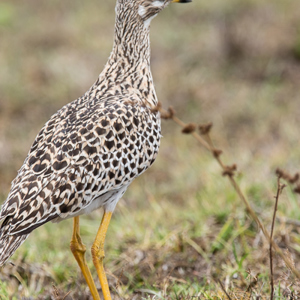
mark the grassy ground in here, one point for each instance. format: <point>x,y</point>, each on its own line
<point>180,228</point>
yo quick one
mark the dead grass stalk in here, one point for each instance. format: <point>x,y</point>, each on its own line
<point>228,171</point>
<point>280,187</point>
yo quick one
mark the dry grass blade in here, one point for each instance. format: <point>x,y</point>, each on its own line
<point>66,295</point>
<point>280,187</point>
<point>210,147</point>
<point>224,290</point>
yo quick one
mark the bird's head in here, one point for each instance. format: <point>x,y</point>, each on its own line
<point>143,10</point>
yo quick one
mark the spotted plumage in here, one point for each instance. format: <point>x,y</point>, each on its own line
<point>89,152</point>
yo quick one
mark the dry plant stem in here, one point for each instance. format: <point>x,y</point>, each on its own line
<point>279,189</point>
<point>66,295</point>
<point>194,134</point>
<point>223,289</point>
<point>237,189</point>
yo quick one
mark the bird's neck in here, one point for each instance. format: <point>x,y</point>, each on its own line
<point>128,66</point>
<point>131,47</point>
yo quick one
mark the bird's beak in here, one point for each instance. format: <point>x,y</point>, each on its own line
<point>181,1</point>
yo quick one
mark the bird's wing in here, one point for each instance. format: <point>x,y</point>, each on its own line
<point>81,153</point>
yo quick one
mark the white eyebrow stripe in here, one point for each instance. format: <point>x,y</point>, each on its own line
<point>158,3</point>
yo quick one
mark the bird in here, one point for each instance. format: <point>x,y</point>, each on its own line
<point>90,150</point>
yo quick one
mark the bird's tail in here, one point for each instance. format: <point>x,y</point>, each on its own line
<point>9,244</point>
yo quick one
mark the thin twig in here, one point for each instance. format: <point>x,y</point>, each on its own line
<point>66,295</point>
<point>223,289</point>
<point>216,154</point>
<point>279,190</point>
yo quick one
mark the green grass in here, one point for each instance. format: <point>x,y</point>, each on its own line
<point>180,227</point>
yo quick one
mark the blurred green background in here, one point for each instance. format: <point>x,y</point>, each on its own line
<point>235,63</point>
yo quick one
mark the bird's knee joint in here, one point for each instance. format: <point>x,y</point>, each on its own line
<point>97,253</point>
<point>76,247</point>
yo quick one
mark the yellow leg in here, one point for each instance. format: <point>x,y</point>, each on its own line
<point>78,249</point>
<point>98,254</point>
